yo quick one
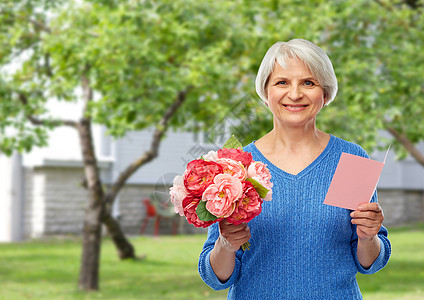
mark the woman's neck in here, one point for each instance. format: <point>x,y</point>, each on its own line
<point>297,138</point>
<point>292,149</point>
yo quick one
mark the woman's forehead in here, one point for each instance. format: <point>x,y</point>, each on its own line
<point>293,68</point>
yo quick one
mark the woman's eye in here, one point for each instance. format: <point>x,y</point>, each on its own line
<point>281,82</point>
<point>309,83</point>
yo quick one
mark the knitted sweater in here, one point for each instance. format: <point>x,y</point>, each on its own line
<point>300,247</point>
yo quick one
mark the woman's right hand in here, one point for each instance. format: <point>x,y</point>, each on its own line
<point>233,236</point>
<point>222,257</point>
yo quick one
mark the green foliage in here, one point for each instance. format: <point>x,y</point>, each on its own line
<point>232,143</point>
<point>262,191</point>
<point>375,47</point>
<point>137,55</point>
<point>203,213</point>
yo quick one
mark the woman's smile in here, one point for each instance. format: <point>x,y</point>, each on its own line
<point>295,107</point>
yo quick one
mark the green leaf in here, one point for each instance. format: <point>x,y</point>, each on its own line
<point>203,213</point>
<point>232,142</point>
<point>262,191</point>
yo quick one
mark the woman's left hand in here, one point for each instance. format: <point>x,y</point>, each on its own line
<point>368,218</point>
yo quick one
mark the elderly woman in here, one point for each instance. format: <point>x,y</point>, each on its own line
<point>300,248</point>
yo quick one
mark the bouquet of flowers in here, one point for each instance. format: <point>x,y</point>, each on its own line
<point>226,183</point>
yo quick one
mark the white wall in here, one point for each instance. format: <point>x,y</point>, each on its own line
<point>11,198</point>
<point>63,141</point>
<point>405,174</point>
<point>175,151</point>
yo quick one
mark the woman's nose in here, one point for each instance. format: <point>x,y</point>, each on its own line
<point>295,93</point>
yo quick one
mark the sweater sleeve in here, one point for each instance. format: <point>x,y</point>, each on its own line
<point>205,269</point>
<point>385,249</point>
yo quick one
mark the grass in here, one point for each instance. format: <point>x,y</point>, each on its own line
<point>48,269</point>
<point>403,277</point>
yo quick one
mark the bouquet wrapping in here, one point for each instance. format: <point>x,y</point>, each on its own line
<point>226,183</point>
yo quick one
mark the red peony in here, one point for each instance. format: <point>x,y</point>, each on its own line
<point>199,175</point>
<point>190,205</point>
<point>248,207</point>
<point>237,154</point>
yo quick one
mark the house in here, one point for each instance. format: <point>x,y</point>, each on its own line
<point>41,192</point>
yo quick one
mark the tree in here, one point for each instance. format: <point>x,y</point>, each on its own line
<point>133,65</point>
<point>380,49</point>
<point>375,47</point>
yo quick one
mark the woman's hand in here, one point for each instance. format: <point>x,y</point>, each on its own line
<point>368,219</point>
<point>223,255</point>
<point>233,236</point>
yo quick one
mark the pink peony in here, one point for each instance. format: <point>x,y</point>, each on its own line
<point>222,195</point>
<point>247,207</point>
<point>237,154</point>
<point>190,204</point>
<point>199,175</point>
<point>178,193</point>
<point>233,168</point>
<point>258,171</point>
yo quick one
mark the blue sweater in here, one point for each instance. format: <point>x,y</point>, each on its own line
<point>300,247</point>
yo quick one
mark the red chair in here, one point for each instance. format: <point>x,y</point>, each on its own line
<point>157,211</point>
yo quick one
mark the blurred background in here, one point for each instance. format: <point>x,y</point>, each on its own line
<point>102,103</point>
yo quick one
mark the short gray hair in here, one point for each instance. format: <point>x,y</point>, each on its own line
<point>310,54</point>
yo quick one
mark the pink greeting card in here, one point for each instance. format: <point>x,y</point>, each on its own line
<point>354,181</point>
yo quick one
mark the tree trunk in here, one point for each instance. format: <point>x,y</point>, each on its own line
<point>89,269</point>
<point>409,146</point>
<point>123,246</point>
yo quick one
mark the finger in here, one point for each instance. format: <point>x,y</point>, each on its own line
<point>238,231</point>
<point>369,214</point>
<point>236,239</point>
<point>236,235</point>
<point>235,230</point>
<point>378,219</point>
<point>239,240</point>
<point>232,228</point>
<point>374,206</point>
<point>366,223</point>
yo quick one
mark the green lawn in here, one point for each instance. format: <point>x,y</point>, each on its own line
<point>403,277</point>
<point>49,270</point>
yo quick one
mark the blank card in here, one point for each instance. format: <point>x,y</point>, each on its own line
<point>354,181</point>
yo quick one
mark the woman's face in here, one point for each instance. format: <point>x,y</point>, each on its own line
<point>294,95</point>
